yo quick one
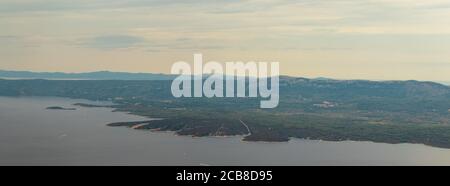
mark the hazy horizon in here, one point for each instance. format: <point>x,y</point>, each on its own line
<point>352,39</point>
<point>318,77</point>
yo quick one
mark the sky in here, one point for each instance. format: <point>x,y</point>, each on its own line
<point>344,39</point>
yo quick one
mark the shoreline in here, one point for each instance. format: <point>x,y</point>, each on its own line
<point>115,109</point>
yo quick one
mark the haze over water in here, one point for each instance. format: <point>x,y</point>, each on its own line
<point>32,135</point>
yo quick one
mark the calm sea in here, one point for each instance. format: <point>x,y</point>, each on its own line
<point>32,135</point>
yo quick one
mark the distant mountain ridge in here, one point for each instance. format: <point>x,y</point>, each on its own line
<point>100,75</point>
<point>108,75</point>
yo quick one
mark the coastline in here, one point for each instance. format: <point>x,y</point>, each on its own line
<point>117,107</point>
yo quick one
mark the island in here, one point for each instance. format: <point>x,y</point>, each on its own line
<point>59,108</point>
<point>316,109</point>
<point>91,105</point>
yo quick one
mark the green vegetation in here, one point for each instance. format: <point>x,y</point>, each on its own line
<point>389,112</point>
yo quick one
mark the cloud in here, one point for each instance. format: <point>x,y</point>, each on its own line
<point>113,42</point>
<point>23,6</point>
<point>7,37</point>
<point>322,32</point>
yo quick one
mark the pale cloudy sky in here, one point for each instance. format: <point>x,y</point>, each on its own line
<point>346,39</point>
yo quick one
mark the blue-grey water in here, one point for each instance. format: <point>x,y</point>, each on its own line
<point>32,135</point>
